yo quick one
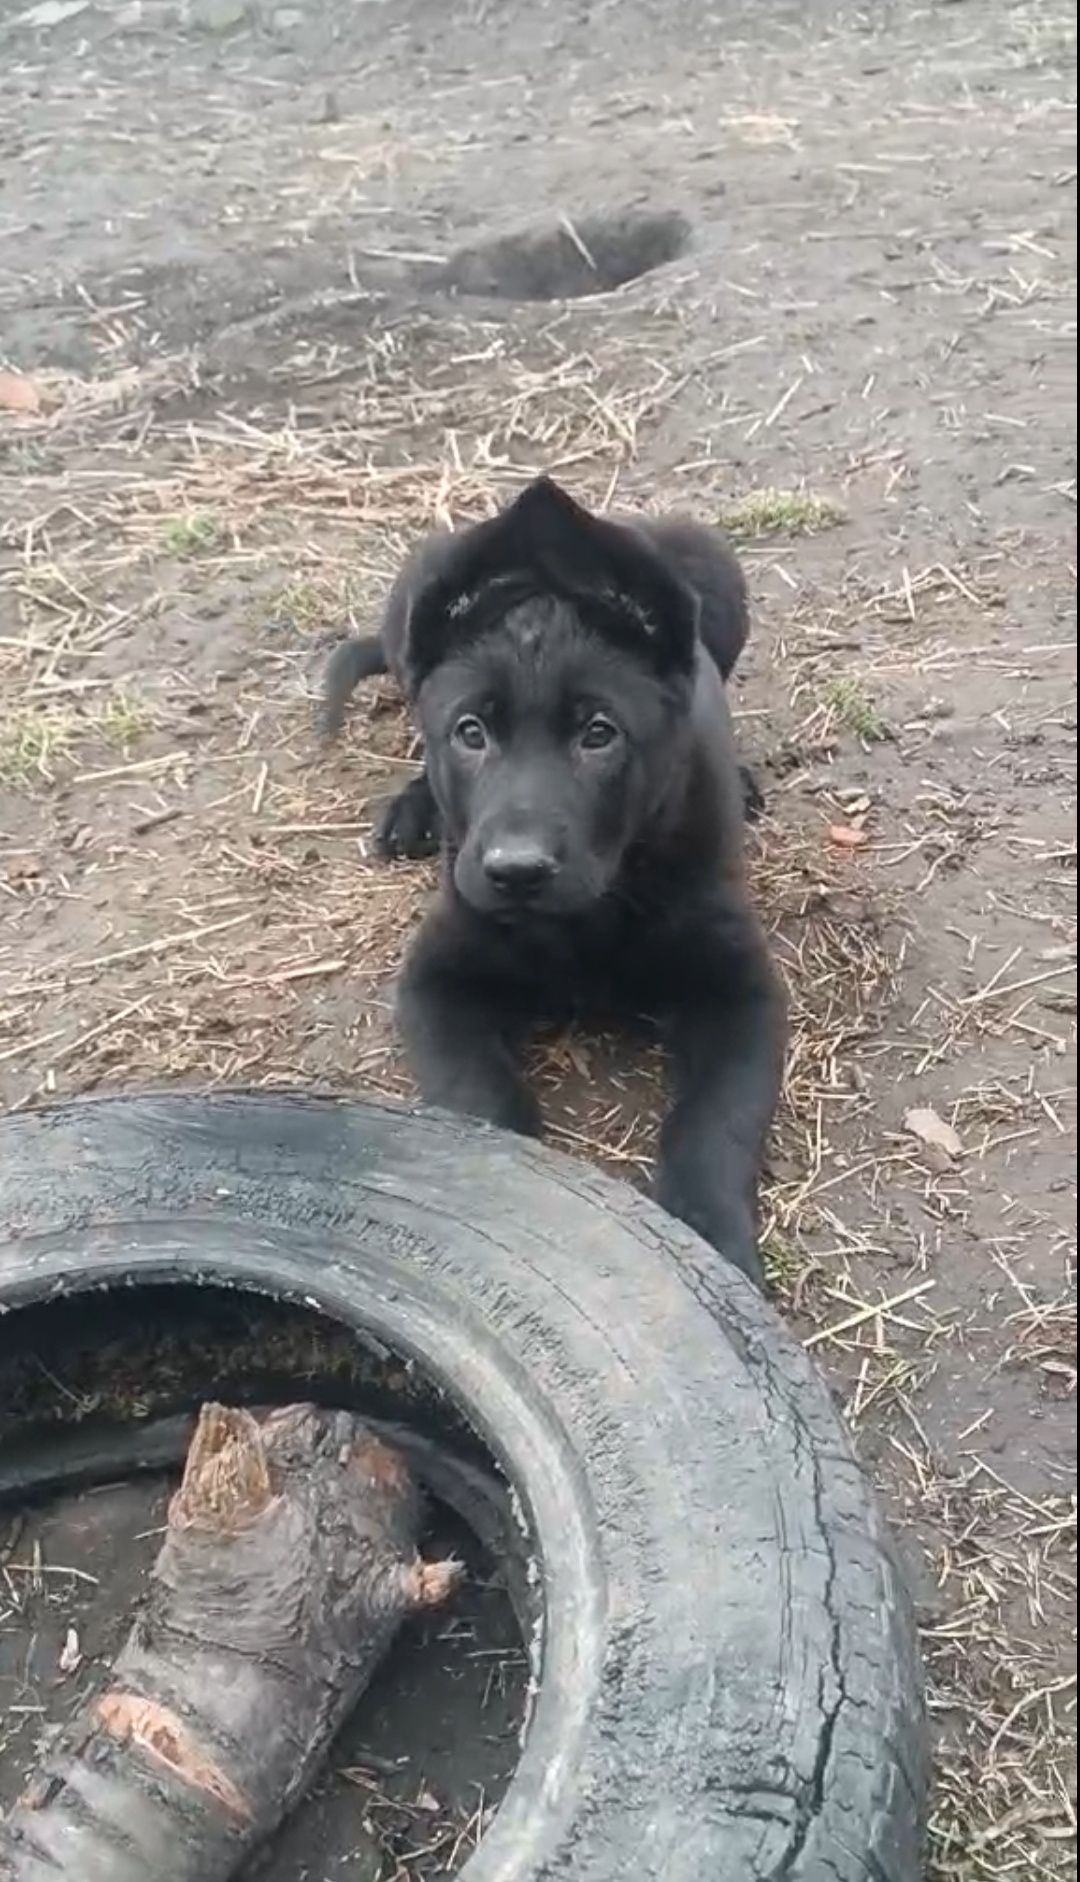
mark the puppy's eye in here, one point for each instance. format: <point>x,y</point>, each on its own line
<point>470,733</point>
<point>598,733</point>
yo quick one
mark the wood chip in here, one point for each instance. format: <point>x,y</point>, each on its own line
<point>931,1129</point>
<point>846,836</point>
<point>18,394</point>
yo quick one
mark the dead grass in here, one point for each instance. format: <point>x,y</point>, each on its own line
<point>1006,1778</point>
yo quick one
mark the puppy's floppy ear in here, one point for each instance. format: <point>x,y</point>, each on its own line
<point>456,581</point>
<point>541,543</point>
<point>589,558</point>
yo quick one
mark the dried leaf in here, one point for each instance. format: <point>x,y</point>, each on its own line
<point>846,836</point>
<point>931,1129</point>
<point>18,393</point>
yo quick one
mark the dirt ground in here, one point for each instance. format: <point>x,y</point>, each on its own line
<point>248,373</point>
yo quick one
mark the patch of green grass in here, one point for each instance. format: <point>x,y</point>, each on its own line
<point>855,709</point>
<point>301,604</point>
<point>123,719</point>
<point>1045,38</point>
<point>35,739</point>
<point>31,741</point>
<point>312,604</point>
<point>192,534</point>
<point>782,1262</point>
<point>780,513</point>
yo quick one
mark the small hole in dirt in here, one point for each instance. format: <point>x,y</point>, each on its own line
<point>569,261</point>
<point>439,1724</point>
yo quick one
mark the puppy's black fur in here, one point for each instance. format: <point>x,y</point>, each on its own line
<point>566,672</point>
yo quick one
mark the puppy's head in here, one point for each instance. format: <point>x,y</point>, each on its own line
<point>552,677</point>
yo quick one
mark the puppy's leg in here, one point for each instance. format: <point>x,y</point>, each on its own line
<point>725,1031</point>
<point>462,1030</point>
<point>409,824</point>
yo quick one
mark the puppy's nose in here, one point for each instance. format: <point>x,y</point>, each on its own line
<point>518,865</point>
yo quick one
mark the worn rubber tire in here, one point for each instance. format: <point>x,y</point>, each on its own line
<point>729,1688</point>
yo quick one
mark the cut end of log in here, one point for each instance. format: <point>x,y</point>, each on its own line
<point>152,1729</point>
<point>226,1482</point>
<point>429,1584</point>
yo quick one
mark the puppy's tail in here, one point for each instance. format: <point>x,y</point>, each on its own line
<point>350,662</point>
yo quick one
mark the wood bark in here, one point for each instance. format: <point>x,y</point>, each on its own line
<point>289,1561</point>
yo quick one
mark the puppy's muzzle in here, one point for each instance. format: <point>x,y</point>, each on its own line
<point>519,868</point>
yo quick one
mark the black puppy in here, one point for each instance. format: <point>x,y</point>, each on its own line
<point>566,672</point>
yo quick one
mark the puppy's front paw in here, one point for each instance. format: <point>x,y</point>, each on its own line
<point>490,1093</point>
<point>408,826</point>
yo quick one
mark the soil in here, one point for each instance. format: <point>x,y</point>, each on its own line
<point>280,289</point>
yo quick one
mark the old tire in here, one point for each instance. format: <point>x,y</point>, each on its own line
<point>729,1688</point>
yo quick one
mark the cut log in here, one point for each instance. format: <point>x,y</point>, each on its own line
<point>289,1561</point>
